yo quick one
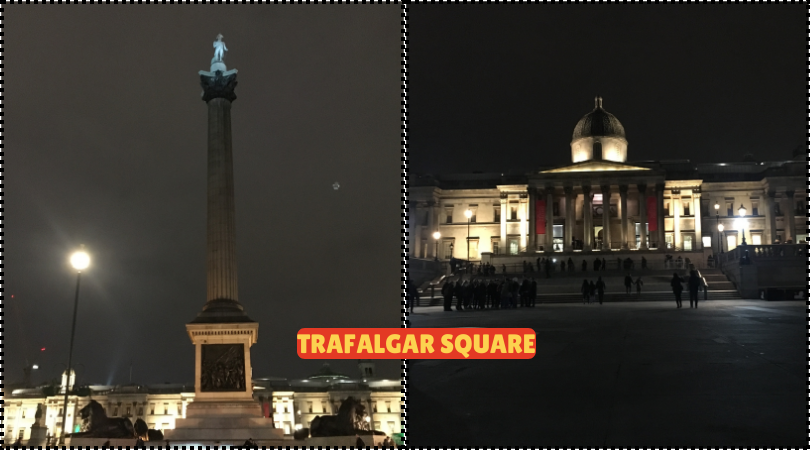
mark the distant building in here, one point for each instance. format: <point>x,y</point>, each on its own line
<point>292,403</point>
<point>601,202</point>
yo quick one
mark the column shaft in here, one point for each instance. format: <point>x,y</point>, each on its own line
<point>504,205</point>
<point>790,226</point>
<point>623,212</point>
<point>659,195</point>
<point>676,206</point>
<point>698,224</point>
<point>549,219</point>
<point>569,218</point>
<point>606,217</point>
<point>221,260</point>
<point>642,215</point>
<point>587,219</point>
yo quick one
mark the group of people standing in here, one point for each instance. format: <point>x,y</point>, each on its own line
<point>694,282</point>
<point>489,294</point>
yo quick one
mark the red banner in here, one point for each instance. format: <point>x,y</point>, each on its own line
<point>652,213</point>
<point>416,343</point>
<point>540,217</point>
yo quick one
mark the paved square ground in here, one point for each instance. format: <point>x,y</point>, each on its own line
<point>624,374</point>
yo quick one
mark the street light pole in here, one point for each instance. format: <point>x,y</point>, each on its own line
<point>80,261</point>
<point>717,222</point>
<point>742,212</point>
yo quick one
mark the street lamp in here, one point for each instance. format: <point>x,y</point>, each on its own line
<point>80,260</point>
<point>742,212</point>
<point>717,222</point>
<point>720,230</point>
<point>468,215</point>
<point>436,237</point>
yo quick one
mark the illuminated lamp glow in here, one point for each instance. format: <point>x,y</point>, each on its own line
<point>80,260</point>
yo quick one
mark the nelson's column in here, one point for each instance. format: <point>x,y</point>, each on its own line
<point>223,408</point>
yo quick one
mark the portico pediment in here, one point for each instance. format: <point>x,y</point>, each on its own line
<point>596,166</point>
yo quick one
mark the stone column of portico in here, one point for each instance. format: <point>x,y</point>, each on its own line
<point>523,211</point>
<point>432,228</point>
<point>605,217</point>
<point>659,197</point>
<point>504,204</point>
<point>790,228</point>
<point>587,219</point>
<point>642,215</point>
<point>569,218</point>
<point>549,218</point>
<point>698,224</point>
<point>676,207</point>
<point>623,208</point>
<point>770,214</point>
<point>533,242</point>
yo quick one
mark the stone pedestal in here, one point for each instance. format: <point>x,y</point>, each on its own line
<point>39,434</point>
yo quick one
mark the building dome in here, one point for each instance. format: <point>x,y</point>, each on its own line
<point>598,123</point>
<point>599,136</point>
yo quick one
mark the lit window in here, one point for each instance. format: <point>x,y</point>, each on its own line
<point>754,208</point>
<point>497,214</point>
<point>687,208</point>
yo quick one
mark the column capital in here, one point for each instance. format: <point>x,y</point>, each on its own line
<point>623,189</point>
<point>569,190</point>
<point>790,193</point>
<point>586,188</point>
<point>642,187</point>
<point>218,85</point>
<point>660,187</point>
<point>605,188</point>
<point>771,193</point>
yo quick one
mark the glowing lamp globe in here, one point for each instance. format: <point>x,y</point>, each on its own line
<point>742,211</point>
<point>437,235</point>
<point>468,214</point>
<point>80,260</point>
<point>720,228</point>
<point>716,206</point>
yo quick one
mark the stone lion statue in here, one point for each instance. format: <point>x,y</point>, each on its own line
<point>349,421</point>
<point>98,425</point>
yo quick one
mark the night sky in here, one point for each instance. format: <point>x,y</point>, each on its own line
<point>105,145</point>
<point>501,87</point>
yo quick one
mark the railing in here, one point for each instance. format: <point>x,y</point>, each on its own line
<point>755,252</point>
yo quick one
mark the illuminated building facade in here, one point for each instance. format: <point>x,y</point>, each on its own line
<point>602,203</point>
<point>292,403</point>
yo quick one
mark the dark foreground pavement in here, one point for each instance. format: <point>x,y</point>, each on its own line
<point>730,373</point>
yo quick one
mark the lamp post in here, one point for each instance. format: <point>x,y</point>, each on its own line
<point>720,234</point>
<point>717,222</point>
<point>742,212</point>
<point>80,260</point>
<point>436,237</point>
<point>468,215</point>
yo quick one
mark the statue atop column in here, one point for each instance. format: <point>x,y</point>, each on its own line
<point>219,49</point>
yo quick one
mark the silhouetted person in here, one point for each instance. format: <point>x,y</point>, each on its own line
<point>694,286</point>
<point>639,283</point>
<point>447,293</point>
<point>600,289</point>
<point>570,265</point>
<point>458,291</point>
<point>628,281</point>
<point>597,264</point>
<point>586,291</point>
<point>644,262</point>
<point>604,264</point>
<point>584,265</point>
<point>592,292</point>
<point>677,288</point>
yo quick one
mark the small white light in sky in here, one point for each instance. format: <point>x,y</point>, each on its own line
<point>336,186</point>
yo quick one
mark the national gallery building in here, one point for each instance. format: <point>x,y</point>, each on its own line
<point>601,202</point>
<point>291,403</point>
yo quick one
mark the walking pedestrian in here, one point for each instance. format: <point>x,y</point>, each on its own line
<point>628,281</point>
<point>639,283</point>
<point>584,265</point>
<point>600,289</point>
<point>677,288</point>
<point>458,291</point>
<point>591,292</point>
<point>694,287</point>
<point>447,293</point>
<point>586,291</point>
